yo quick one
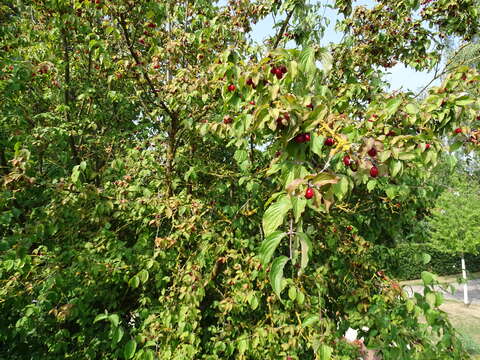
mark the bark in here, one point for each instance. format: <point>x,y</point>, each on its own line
<point>67,94</point>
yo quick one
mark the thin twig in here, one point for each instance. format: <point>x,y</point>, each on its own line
<point>282,29</point>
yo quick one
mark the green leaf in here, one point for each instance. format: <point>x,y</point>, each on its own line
<point>406,156</point>
<point>438,298</point>
<point>276,274</point>
<point>129,349</point>
<point>307,60</point>
<point>371,185</point>
<point>114,319</point>
<point>298,206</point>
<point>455,146</point>
<point>300,297</point>
<point>325,352</point>
<point>143,276</point>
<point>341,187</point>
<point>464,100</point>
<point>395,167</point>
<point>117,335</point>
<point>75,174</point>
<point>100,317</point>
<point>430,299</point>
<point>392,105</point>
<point>310,320</point>
<point>242,346</point>
<point>148,355</point>
<point>426,258</point>
<point>428,278</point>
<point>292,293</point>
<point>253,301</point>
<point>275,214</point>
<point>317,144</point>
<point>134,281</point>
<point>305,246</point>
<point>269,244</point>
<point>412,109</point>
<point>391,191</point>
<point>240,156</point>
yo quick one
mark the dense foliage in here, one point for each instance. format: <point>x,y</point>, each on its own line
<point>173,191</point>
<point>407,261</point>
<point>455,221</point>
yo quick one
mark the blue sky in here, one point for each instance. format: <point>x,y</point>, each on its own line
<point>399,77</point>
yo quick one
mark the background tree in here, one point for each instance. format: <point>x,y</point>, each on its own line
<point>455,221</point>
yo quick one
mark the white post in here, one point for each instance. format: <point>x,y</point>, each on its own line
<point>465,285</point>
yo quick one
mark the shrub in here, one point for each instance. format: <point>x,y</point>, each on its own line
<point>405,262</point>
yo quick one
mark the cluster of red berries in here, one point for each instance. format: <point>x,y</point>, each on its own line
<point>278,71</point>
<point>302,138</point>
<point>349,162</point>
<point>283,120</point>
<point>250,82</point>
<point>231,87</point>
<point>227,120</point>
<point>329,141</point>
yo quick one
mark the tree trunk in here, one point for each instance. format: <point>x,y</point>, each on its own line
<point>465,284</point>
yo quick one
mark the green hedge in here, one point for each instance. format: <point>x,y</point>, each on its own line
<point>405,261</point>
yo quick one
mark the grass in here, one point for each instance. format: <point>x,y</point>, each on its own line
<point>466,319</point>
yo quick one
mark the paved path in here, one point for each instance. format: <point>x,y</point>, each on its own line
<point>473,291</point>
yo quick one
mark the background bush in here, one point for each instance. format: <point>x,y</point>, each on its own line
<point>405,262</point>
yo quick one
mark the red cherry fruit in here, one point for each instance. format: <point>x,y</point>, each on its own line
<point>309,193</point>
<point>151,25</point>
<point>374,171</point>
<point>252,102</point>
<point>349,228</point>
<point>329,141</point>
<point>427,146</point>
<point>141,41</point>
<point>283,69</point>
<point>347,160</point>
<point>273,70</point>
<point>307,137</point>
<point>300,138</point>
<point>156,66</point>
<point>458,130</point>
<point>391,133</point>
<point>227,120</point>
<point>372,152</point>
<point>278,73</point>
<point>231,87</point>
<point>310,106</point>
<point>249,81</point>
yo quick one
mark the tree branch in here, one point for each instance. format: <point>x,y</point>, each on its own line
<point>282,29</point>
<point>164,106</point>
